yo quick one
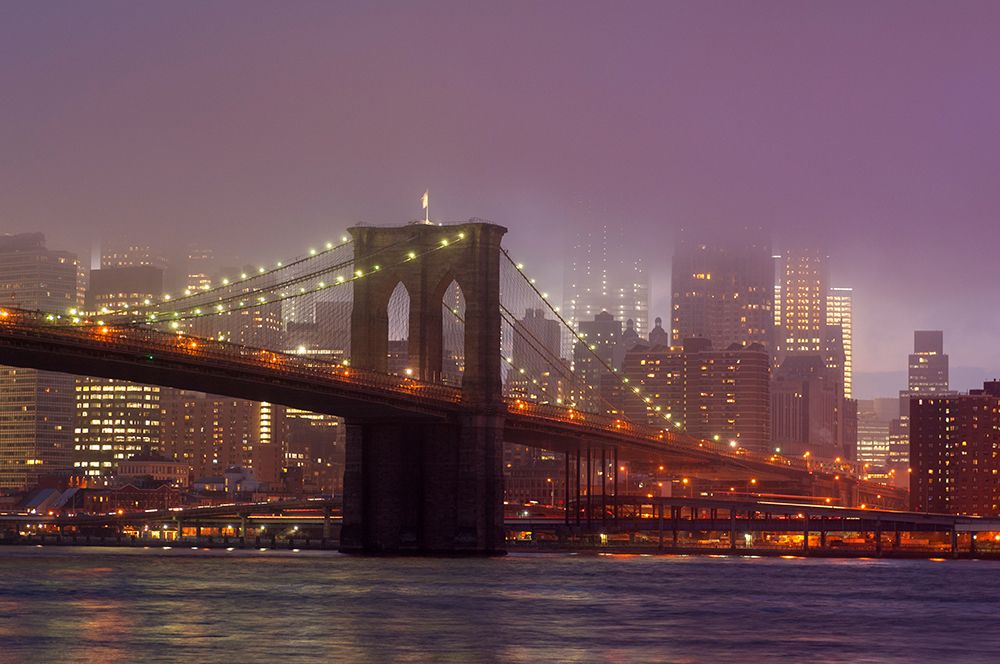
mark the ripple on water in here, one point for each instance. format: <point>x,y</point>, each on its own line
<point>213,606</point>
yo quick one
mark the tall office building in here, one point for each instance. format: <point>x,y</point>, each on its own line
<point>131,255</point>
<point>840,315</point>
<point>803,301</point>
<point>715,394</point>
<point>115,419</point>
<point>593,357</point>
<point>36,407</point>
<point>808,411</point>
<point>953,452</point>
<point>601,276</point>
<point>199,267</point>
<point>812,405</point>
<point>722,288</point>
<point>927,375</point>
<point>928,364</point>
<point>537,372</point>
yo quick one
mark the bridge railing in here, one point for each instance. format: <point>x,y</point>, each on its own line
<point>219,354</point>
<point>225,356</point>
<point>645,433</point>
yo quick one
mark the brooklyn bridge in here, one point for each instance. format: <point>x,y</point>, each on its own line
<point>436,375</point>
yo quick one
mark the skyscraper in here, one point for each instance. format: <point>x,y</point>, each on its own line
<point>812,408</point>
<point>602,276</point>
<point>131,255</point>
<point>200,265</point>
<point>115,419</point>
<point>808,408</point>
<point>714,394</point>
<point>928,364</point>
<point>927,375</point>
<point>840,314</point>
<point>804,291</point>
<point>36,407</point>
<point>593,359</point>
<point>722,288</point>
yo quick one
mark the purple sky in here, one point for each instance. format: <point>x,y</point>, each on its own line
<point>262,128</point>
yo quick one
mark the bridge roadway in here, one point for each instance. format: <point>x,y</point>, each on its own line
<point>663,520</point>
<point>33,340</point>
<point>659,520</point>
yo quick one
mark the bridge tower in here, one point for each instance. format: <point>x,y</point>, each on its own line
<point>428,486</point>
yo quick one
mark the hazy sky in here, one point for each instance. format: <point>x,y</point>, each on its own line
<point>261,128</point>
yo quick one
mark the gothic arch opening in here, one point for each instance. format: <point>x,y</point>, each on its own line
<point>398,314</point>
<point>453,335</point>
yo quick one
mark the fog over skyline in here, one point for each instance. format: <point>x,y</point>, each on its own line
<point>868,129</point>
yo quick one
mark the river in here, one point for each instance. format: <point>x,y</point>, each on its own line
<point>135,605</point>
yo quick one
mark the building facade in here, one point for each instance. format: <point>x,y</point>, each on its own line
<point>927,375</point>
<point>954,463</point>
<point>602,275</point>
<point>36,407</point>
<point>715,394</point>
<point>722,288</point>
<point>116,420</point>
<point>840,332</point>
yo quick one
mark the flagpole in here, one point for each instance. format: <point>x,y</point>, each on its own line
<point>427,207</point>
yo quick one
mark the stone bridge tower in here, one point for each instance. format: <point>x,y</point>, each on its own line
<point>428,486</point>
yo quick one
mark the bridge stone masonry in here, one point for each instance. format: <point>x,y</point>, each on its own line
<point>413,485</point>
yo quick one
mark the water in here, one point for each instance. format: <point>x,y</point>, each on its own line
<point>109,605</point>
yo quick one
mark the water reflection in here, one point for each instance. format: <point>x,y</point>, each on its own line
<point>217,606</point>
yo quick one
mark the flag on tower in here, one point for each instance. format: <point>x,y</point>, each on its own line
<point>425,201</point>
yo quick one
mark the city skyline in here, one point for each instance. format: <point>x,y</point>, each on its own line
<point>872,383</point>
<point>924,136</point>
<point>506,330</point>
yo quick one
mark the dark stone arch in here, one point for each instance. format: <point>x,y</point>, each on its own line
<point>468,254</point>
<point>417,486</point>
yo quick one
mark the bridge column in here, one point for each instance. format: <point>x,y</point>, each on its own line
<point>674,524</point>
<point>424,488</point>
<point>732,529</point>
<point>659,515</point>
<point>615,487</point>
<point>604,486</point>
<point>590,486</point>
<point>428,486</point>
<point>566,491</point>
<point>805,533</point>
<point>577,484</point>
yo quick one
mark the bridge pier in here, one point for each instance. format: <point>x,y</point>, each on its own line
<point>805,534</point>
<point>566,490</point>
<point>604,487</point>
<point>590,486</point>
<point>615,487</point>
<point>577,485</point>
<point>424,488</point>
<point>429,486</point>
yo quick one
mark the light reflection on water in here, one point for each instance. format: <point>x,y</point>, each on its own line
<point>106,605</point>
